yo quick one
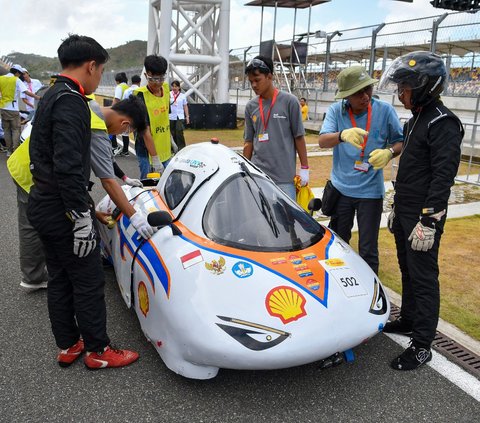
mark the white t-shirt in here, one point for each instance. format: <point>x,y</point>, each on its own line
<point>33,86</point>
<point>19,89</point>
<point>177,101</point>
<point>119,91</point>
<point>129,91</point>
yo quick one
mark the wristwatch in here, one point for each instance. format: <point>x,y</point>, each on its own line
<point>392,151</point>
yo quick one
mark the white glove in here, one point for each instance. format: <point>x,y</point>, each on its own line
<point>139,222</point>
<point>84,236</point>
<point>390,219</point>
<point>304,176</point>
<point>422,237</point>
<point>354,136</point>
<point>157,165</point>
<point>132,182</point>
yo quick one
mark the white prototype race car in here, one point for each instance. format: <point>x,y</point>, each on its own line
<point>238,276</point>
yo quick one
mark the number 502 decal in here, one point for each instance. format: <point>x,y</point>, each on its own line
<point>349,281</point>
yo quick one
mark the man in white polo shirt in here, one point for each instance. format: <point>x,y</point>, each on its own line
<point>11,89</point>
<point>33,85</point>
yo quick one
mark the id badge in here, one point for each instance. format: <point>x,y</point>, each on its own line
<point>263,137</point>
<point>361,166</point>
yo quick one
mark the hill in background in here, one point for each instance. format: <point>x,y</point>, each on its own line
<point>122,57</point>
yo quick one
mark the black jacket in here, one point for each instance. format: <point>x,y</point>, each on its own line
<point>430,158</point>
<point>60,149</point>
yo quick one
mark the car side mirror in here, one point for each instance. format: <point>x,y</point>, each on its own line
<point>162,218</point>
<point>314,204</point>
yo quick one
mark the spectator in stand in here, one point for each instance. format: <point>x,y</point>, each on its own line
<point>179,114</point>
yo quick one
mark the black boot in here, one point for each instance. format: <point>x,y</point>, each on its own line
<point>398,326</point>
<point>413,357</point>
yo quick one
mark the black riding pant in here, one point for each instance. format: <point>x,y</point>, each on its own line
<point>420,287</point>
<point>76,300</point>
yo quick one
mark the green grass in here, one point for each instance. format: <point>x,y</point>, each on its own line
<point>458,261</point>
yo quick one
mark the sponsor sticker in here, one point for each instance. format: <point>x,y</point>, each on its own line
<point>286,303</point>
<point>278,260</point>
<point>242,269</point>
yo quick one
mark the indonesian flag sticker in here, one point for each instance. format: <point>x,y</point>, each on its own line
<point>192,258</point>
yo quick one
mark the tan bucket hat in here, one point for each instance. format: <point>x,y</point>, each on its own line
<point>351,80</point>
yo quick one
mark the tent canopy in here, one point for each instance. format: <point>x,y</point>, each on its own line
<point>293,4</point>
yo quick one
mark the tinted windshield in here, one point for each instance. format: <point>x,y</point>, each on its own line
<point>240,216</point>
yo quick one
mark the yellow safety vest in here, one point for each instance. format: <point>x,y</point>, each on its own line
<point>18,163</point>
<point>124,87</point>
<point>157,108</point>
<point>96,122</point>
<point>7,89</point>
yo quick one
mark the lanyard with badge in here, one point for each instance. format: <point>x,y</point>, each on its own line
<point>264,137</point>
<point>175,98</point>
<point>362,165</point>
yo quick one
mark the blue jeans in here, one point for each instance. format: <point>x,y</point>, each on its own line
<point>144,165</point>
<point>289,189</point>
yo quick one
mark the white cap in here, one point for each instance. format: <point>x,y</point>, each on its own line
<point>18,68</point>
<point>24,70</point>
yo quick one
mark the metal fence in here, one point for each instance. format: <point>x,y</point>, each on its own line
<point>455,36</point>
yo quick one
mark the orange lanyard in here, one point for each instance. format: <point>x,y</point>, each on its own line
<point>265,122</point>
<point>369,121</point>
<point>175,97</point>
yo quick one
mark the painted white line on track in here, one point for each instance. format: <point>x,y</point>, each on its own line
<point>450,371</point>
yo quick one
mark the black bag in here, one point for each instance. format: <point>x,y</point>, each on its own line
<point>329,199</point>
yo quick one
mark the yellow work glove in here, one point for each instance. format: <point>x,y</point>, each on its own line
<point>379,158</point>
<point>353,136</point>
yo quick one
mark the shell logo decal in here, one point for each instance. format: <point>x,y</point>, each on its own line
<point>143,301</point>
<point>286,303</point>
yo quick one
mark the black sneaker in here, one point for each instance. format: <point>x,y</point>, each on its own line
<point>412,358</point>
<point>398,326</point>
<point>124,154</point>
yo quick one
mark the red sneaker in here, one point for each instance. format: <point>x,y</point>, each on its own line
<point>68,356</point>
<point>110,357</point>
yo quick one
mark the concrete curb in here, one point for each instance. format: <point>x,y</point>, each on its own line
<point>446,328</point>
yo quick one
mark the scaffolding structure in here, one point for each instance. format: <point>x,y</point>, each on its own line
<point>194,37</point>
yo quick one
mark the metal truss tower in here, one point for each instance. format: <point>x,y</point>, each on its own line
<point>194,37</point>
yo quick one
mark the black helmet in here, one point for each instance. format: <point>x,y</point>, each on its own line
<point>422,71</point>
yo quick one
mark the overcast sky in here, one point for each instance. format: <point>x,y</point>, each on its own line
<point>38,26</point>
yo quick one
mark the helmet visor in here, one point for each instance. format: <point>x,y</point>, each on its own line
<point>400,74</point>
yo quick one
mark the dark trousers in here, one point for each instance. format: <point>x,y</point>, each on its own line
<point>32,257</point>
<point>126,143</point>
<point>113,139</point>
<point>76,299</point>
<point>176,129</point>
<point>369,214</point>
<point>420,287</point>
